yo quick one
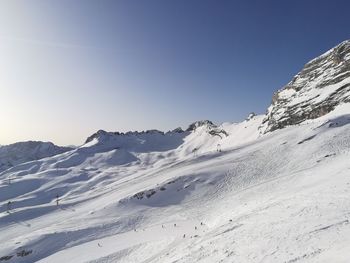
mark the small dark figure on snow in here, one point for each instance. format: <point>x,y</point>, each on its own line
<point>194,151</point>
<point>184,235</point>
<point>174,225</point>
<point>9,206</point>
<point>57,199</point>
<point>195,228</point>
<point>202,224</point>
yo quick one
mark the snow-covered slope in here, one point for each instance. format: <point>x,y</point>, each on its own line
<point>20,152</point>
<point>280,197</point>
<point>226,193</point>
<point>322,84</point>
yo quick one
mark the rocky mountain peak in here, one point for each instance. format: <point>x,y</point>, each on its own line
<point>177,130</point>
<point>317,89</point>
<point>201,123</point>
<point>102,135</point>
<point>250,116</point>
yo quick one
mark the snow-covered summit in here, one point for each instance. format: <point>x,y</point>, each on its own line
<point>139,142</point>
<point>322,84</point>
<point>245,197</point>
<point>212,193</point>
<point>104,135</point>
<point>193,126</point>
<point>20,152</point>
<point>151,140</point>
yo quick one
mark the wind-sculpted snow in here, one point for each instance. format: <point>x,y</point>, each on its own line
<point>149,141</point>
<point>13,154</point>
<point>236,192</point>
<point>257,198</point>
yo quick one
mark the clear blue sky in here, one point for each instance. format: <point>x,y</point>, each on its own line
<point>69,67</point>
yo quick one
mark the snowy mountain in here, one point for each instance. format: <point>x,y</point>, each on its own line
<point>322,84</point>
<point>235,192</point>
<point>20,152</point>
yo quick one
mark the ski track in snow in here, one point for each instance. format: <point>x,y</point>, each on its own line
<point>280,197</point>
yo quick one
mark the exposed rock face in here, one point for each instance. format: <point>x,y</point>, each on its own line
<point>250,116</point>
<point>321,85</point>
<point>20,152</point>
<point>177,130</point>
<point>102,135</point>
<point>134,142</point>
<point>197,124</point>
<point>218,132</point>
<point>212,129</point>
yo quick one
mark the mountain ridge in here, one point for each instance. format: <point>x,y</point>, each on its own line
<point>236,192</point>
<point>20,152</point>
<point>322,84</point>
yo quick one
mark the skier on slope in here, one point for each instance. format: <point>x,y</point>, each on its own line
<point>9,206</point>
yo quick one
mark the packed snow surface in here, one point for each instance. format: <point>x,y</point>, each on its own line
<point>20,152</point>
<point>190,196</point>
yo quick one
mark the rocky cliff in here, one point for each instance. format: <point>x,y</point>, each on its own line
<point>320,86</point>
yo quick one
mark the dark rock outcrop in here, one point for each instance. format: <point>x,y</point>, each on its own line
<point>101,134</point>
<point>250,116</point>
<point>195,125</point>
<point>212,129</point>
<point>322,84</point>
<point>178,130</point>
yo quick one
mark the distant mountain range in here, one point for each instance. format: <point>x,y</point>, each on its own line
<point>322,85</point>
<point>20,152</point>
<point>272,188</point>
